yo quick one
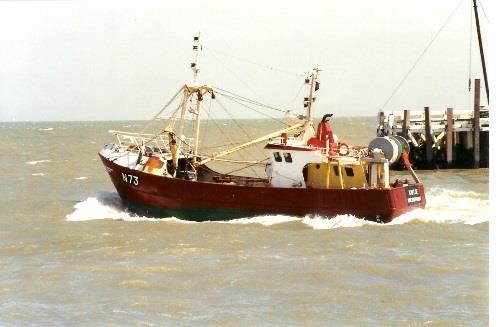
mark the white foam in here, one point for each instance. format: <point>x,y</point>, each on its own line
<point>80,178</point>
<point>107,206</point>
<point>93,209</point>
<point>454,206</point>
<point>46,129</point>
<point>35,162</point>
<point>266,220</point>
<point>38,174</point>
<point>318,222</point>
<point>443,206</point>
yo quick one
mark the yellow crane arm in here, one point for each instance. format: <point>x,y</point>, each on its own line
<point>250,143</point>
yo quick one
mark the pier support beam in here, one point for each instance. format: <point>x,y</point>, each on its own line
<point>477,122</point>
<point>406,123</point>
<point>428,136</point>
<point>449,137</point>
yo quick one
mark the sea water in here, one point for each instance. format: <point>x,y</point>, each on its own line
<point>72,254</point>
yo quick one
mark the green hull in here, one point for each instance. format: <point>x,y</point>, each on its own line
<point>192,214</point>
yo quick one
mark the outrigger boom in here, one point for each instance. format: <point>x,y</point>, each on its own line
<point>251,143</point>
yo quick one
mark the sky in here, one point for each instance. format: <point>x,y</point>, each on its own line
<point>122,60</point>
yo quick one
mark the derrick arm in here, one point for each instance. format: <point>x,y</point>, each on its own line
<point>251,143</point>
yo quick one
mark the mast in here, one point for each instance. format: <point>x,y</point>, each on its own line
<point>197,123</point>
<point>314,86</point>
<point>183,106</point>
<point>189,91</point>
<point>481,50</point>
<point>196,47</point>
<point>309,130</point>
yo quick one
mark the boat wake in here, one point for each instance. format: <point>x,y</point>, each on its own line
<point>443,206</point>
<point>108,205</point>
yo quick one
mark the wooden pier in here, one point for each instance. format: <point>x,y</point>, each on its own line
<point>442,138</point>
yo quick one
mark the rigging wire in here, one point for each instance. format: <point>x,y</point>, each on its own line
<point>421,55</point>
<point>297,95</point>
<point>205,129</point>
<point>242,98</point>
<point>234,74</point>
<point>248,87</point>
<point>230,141</point>
<point>248,166</point>
<point>483,11</point>
<point>255,110</point>
<point>471,24</point>
<point>233,119</point>
<point>268,67</point>
<point>236,123</point>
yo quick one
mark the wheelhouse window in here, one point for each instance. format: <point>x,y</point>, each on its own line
<point>287,157</point>
<point>349,171</point>
<point>277,156</point>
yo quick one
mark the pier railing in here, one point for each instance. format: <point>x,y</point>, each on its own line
<point>463,121</point>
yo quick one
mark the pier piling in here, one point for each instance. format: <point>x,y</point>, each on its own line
<point>442,138</point>
<point>428,136</point>
<point>406,123</point>
<point>381,119</point>
<point>476,125</point>
<point>449,137</point>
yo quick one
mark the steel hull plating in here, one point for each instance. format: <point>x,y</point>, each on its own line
<point>157,195</point>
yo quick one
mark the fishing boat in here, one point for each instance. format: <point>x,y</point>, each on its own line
<point>307,169</point>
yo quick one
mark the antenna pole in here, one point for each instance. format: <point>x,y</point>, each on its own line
<point>196,47</point>
<point>309,101</point>
<point>481,50</point>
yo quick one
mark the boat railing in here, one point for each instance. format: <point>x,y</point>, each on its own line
<point>156,143</point>
<point>289,140</point>
<point>356,151</point>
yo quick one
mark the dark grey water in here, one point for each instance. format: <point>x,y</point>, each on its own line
<point>71,254</point>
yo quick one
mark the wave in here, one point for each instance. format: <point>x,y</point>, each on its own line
<point>106,205</point>
<point>266,220</point>
<point>443,207</point>
<point>319,222</point>
<point>35,162</point>
<point>46,129</point>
